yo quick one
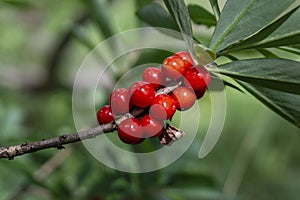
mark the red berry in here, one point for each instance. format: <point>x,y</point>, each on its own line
<point>163,107</point>
<point>173,67</point>
<point>197,78</point>
<point>119,101</point>
<point>130,131</point>
<point>104,115</point>
<point>200,93</point>
<point>153,76</point>
<point>151,127</point>
<point>186,57</point>
<point>141,94</point>
<point>184,98</point>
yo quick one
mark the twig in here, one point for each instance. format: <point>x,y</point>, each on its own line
<point>58,142</point>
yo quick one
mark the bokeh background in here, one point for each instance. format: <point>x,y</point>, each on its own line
<point>42,44</point>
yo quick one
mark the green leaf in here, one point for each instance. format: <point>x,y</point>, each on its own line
<point>291,49</point>
<point>215,78</point>
<point>241,19</point>
<point>141,3</point>
<point>284,31</point>
<point>156,16</point>
<point>228,84</point>
<point>215,6</point>
<point>267,53</point>
<point>200,15</point>
<point>180,13</point>
<point>278,74</point>
<point>204,55</point>
<point>285,104</point>
<point>231,57</point>
<point>18,3</point>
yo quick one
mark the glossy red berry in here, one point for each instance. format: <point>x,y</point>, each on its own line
<point>119,101</point>
<point>151,126</point>
<point>130,131</point>
<point>163,107</point>
<point>173,67</point>
<point>184,98</point>
<point>104,115</point>
<point>141,94</point>
<point>186,57</point>
<point>200,93</point>
<point>153,76</point>
<point>197,78</point>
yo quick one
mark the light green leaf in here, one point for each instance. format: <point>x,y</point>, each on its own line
<point>285,104</point>
<point>204,55</point>
<point>241,19</point>
<point>180,13</point>
<point>278,74</point>
<point>156,16</point>
<point>215,78</point>
<point>284,31</point>
<point>200,15</point>
<point>291,49</point>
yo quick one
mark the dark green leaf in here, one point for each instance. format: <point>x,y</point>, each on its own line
<point>267,53</point>
<point>284,31</point>
<point>156,16</point>
<point>141,3</point>
<point>199,15</point>
<point>241,19</point>
<point>18,3</point>
<point>180,13</point>
<point>231,57</point>
<point>215,6</point>
<point>278,74</point>
<point>285,104</point>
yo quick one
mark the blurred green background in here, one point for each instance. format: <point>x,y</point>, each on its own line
<point>42,44</point>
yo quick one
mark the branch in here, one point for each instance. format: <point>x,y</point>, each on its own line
<point>58,142</point>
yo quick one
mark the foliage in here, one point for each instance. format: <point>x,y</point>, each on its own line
<point>257,50</point>
<point>245,25</point>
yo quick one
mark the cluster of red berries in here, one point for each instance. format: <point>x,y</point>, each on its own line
<point>158,107</point>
